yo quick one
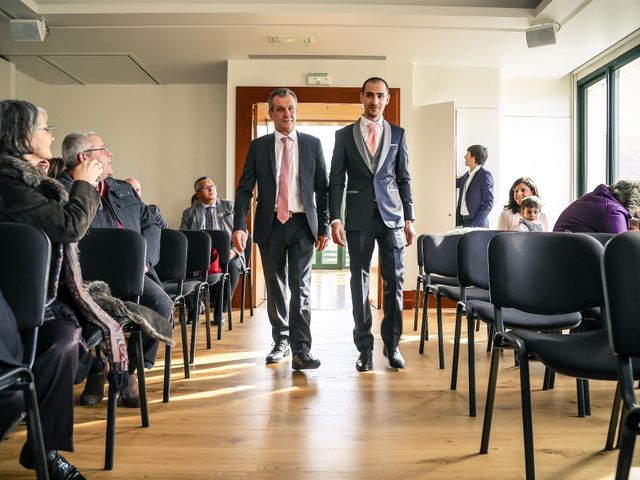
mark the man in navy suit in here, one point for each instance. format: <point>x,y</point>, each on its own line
<point>476,190</point>
<point>291,215</point>
<point>372,153</point>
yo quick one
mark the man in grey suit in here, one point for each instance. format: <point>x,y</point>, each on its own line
<point>212,213</point>
<point>289,169</point>
<point>372,153</point>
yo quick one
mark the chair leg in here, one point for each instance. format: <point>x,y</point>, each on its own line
<point>194,333</point>
<point>142,386</point>
<point>587,398</point>
<point>527,420</point>
<point>490,334</point>
<point>207,316</point>
<point>166,385</point>
<point>35,427</point>
<point>417,305</point>
<point>545,381</point>
<point>552,380</point>
<point>440,333</point>
<point>111,423</point>
<point>226,286</point>
<point>615,418</point>
<point>580,396</point>
<point>491,397</point>
<point>625,456</point>
<point>250,293</point>
<point>456,347</point>
<point>423,331</point>
<point>242,281</point>
<point>183,332</point>
<point>471,360</point>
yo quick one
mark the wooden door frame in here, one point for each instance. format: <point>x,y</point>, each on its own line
<point>247,97</point>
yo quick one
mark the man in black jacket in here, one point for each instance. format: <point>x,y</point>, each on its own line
<point>120,207</point>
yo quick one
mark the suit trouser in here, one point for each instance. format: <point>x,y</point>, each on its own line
<point>391,250</point>
<point>286,259</point>
<point>54,370</point>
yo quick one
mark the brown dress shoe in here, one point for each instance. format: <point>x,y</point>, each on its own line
<point>132,397</point>
<point>93,392</point>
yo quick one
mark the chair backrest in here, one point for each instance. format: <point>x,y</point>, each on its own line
<point>115,256</point>
<point>440,254</point>
<point>25,254</point>
<point>198,250</point>
<point>621,278</point>
<point>473,263</point>
<point>172,265</point>
<point>420,252</point>
<point>603,238</point>
<point>545,273</point>
<point>221,241</point>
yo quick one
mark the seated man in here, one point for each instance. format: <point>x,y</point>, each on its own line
<point>121,208</point>
<point>212,213</point>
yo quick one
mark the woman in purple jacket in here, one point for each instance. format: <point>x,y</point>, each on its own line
<point>608,209</point>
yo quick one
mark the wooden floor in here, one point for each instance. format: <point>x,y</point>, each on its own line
<point>237,418</point>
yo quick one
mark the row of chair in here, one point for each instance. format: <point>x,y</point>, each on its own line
<point>537,285</point>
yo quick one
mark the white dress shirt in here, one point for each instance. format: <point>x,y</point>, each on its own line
<point>464,211</point>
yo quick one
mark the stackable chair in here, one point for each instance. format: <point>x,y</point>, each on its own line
<point>117,257</point>
<point>620,278</point>
<point>546,274</point>
<point>172,271</point>
<point>25,253</point>
<point>420,281</point>
<point>221,241</point>
<point>246,277</point>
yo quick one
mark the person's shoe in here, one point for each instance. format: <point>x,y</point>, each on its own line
<point>131,398</point>
<point>93,392</point>
<point>280,350</point>
<point>218,320</point>
<point>58,466</point>
<point>395,359</point>
<point>365,361</point>
<point>304,361</point>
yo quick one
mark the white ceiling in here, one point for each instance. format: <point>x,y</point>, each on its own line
<point>168,42</point>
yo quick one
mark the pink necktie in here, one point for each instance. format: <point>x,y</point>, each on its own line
<point>372,143</point>
<point>283,182</point>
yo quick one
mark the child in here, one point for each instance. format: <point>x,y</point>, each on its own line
<point>530,213</point>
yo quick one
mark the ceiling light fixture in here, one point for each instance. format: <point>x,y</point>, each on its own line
<point>290,40</point>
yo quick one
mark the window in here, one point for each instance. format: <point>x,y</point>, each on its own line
<point>609,124</point>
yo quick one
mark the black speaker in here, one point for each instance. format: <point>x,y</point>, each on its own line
<point>541,35</point>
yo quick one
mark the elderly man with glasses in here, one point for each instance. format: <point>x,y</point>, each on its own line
<point>212,213</point>
<point>121,207</point>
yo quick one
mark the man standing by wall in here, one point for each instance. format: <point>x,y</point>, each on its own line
<point>291,215</point>
<point>372,153</point>
<point>476,190</point>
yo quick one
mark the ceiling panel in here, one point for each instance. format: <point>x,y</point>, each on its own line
<point>103,69</point>
<point>36,67</point>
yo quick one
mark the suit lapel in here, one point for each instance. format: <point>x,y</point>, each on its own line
<point>271,153</point>
<point>359,141</point>
<point>386,143</point>
<point>303,157</point>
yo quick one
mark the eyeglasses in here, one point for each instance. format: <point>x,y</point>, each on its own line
<point>106,150</point>
<point>207,187</point>
<point>50,129</point>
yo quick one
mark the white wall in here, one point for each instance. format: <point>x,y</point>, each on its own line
<point>7,77</point>
<point>26,88</point>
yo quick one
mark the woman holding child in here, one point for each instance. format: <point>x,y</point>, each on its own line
<point>511,219</point>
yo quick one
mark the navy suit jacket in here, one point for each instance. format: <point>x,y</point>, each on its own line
<point>389,186</point>
<point>479,199</point>
<point>260,168</point>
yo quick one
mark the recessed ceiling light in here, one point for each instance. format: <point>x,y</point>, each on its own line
<point>290,39</point>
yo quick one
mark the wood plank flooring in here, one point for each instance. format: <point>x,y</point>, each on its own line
<point>237,418</point>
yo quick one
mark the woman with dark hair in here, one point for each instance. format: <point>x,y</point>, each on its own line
<point>509,219</point>
<point>29,196</point>
<point>476,190</point>
<point>608,209</point>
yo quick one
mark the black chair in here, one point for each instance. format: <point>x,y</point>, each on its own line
<point>198,261</point>
<point>420,281</point>
<point>621,277</point>
<point>221,242</point>
<point>246,276</point>
<point>25,254</point>
<point>172,271</point>
<point>117,257</point>
<point>545,274</point>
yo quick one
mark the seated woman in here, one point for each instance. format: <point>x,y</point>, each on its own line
<point>29,196</point>
<point>608,209</point>
<point>510,217</point>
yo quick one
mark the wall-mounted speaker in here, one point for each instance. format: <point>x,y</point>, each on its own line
<point>541,35</point>
<point>28,30</point>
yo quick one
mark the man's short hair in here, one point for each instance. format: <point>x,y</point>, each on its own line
<point>195,184</point>
<point>479,152</point>
<point>374,79</point>
<point>531,202</point>
<point>73,145</point>
<point>281,92</point>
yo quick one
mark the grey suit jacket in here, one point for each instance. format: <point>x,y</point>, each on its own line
<point>193,217</point>
<point>388,188</point>
<point>260,169</point>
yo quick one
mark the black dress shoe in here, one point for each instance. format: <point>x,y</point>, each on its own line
<point>280,350</point>
<point>395,359</point>
<point>304,361</point>
<point>58,466</point>
<point>365,361</point>
<point>218,320</point>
